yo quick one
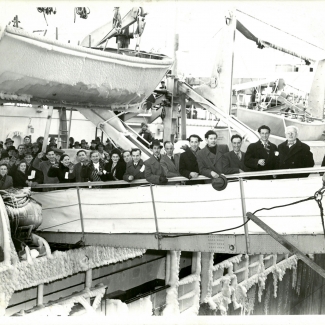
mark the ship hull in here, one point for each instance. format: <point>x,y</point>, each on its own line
<point>307,131</point>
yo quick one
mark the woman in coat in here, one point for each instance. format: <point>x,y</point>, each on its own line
<point>20,175</point>
<point>63,171</point>
<point>5,179</point>
<point>116,166</point>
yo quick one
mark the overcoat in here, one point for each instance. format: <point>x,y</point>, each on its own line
<point>231,163</point>
<point>134,171</point>
<point>171,169</point>
<point>153,170</point>
<point>297,156</point>
<point>209,162</point>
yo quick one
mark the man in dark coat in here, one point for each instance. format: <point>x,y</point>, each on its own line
<point>262,155</point>
<point>209,158</point>
<point>170,161</point>
<point>77,168</point>
<point>154,173</point>
<point>188,166</point>
<point>145,134</point>
<point>233,161</point>
<point>294,154</point>
<point>134,168</point>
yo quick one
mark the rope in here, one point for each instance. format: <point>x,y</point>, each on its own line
<point>280,29</point>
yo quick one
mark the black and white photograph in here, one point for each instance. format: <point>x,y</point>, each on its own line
<point>162,162</point>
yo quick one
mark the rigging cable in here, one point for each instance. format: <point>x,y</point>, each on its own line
<point>280,29</point>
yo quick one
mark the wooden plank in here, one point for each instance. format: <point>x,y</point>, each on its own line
<point>287,245</point>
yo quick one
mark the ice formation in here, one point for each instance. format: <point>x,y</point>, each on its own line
<point>172,298</point>
<point>172,305</point>
<point>232,291</point>
<point>62,264</point>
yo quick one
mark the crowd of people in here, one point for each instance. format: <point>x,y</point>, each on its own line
<point>28,165</point>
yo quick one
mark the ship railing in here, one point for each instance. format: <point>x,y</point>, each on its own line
<point>241,177</point>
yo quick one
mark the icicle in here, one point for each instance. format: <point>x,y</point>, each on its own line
<point>62,264</point>
<point>172,305</point>
<point>294,276</point>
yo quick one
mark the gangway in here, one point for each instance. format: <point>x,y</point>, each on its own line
<point>111,125</point>
<point>230,120</point>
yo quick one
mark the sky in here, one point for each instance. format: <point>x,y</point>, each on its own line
<point>196,22</point>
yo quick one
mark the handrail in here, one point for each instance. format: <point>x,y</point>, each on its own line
<point>311,170</point>
<point>134,132</point>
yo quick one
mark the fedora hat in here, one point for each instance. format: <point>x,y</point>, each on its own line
<point>194,135</point>
<point>155,143</point>
<point>9,140</point>
<point>219,183</point>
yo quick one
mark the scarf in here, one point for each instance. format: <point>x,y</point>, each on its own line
<point>2,180</point>
<point>94,177</point>
<point>213,149</point>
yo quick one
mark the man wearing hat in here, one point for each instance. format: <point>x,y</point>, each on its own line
<point>9,142</point>
<point>145,134</point>
<point>188,166</point>
<point>77,145</point>
<point>154,173</point>
<point>35,149</point>
<point>170,162</point>
<point>210,157</point>
<point>93,145</point>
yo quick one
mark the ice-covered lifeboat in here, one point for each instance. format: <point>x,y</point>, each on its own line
<point>37,69</point>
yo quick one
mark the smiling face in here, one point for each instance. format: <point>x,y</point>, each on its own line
<point>212,140</point>
<point>115,158</point>
<point>236,144</point>
<point>28,158</point>
<point>136,156</point>
<point>194,143</point>
<point>3,170</point>
<point>22,167</point>
<point>65,161</point>
<point>82,156</point>
<point>94,157</point>
<point>264,134</point>
<point>51,156</point>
